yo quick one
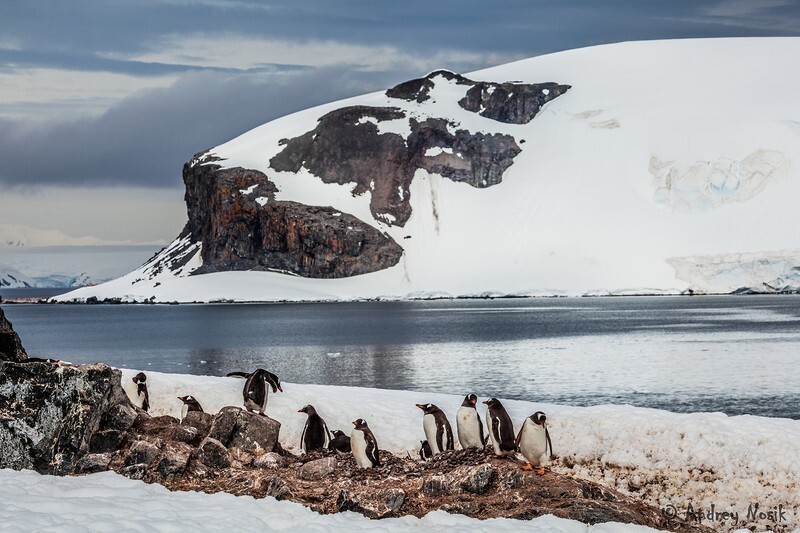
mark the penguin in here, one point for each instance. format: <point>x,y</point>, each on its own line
<point>501,429</point>
<point>437,428</point>
<point>533,441</point>
<point>315,433</point>
<point>469,425</point>
<point>142,399</point>
<point>340,442</point>
<point>364,445</point>
<point>189,404</point>
<point>255,392</point>
<point>425,450</point>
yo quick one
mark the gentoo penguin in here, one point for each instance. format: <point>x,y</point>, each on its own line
<point>437,428</point>
<point>363,445</point>
<point>501,429</point>
<point>533,441</point>
<point>425,450</point>
<point>256,388</point>
<point>189,404</point>
<point>315,433</point>
<point>142,399</point>
<point>340,442</point>
<point>469,425</point>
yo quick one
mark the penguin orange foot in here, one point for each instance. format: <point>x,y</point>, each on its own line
<point>528,467</point>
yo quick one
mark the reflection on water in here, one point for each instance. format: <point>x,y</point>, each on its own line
<point>733,354</point>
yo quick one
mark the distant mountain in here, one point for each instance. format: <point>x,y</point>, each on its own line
<point>635,168</point>
<point>13,279</point>
<point>16,236</point>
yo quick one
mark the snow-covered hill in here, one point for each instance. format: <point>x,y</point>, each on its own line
<point>666,166</point>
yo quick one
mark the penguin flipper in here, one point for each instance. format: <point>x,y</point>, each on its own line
<point>237,375</point>
<point>519,437</point>
<point>372,452</point>
<point>549,443</point>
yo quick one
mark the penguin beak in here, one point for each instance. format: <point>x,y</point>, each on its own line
<point>421,406</point>
<point>486,402</point>
<point>473,402</point>
<point>279,388</point>
<point>300,411</point>
<point>355,423</point>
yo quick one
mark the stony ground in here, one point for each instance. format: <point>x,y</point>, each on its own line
<point>469,482</point>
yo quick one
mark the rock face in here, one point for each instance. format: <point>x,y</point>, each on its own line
<point>236,221</point>
<point>49,413</point>
<point>10,346</point>
<point>348,147</point>
<point>234,215</point>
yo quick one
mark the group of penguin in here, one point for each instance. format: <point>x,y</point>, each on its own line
<point>533,439</point>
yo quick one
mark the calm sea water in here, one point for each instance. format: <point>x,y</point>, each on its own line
<point>735,354</point>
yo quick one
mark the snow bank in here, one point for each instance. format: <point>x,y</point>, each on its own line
<point>668,459</point>
<point>110,502</point>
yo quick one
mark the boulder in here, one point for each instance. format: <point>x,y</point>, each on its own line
<point>317,469</point>
<point>50,412</point>
<point>142,452</point>
<point>94,462</point>
<point>10,346</point>
<point>236,428</point>
<point>175,459</point>
<point>214,454</point>
<point>199,420</point>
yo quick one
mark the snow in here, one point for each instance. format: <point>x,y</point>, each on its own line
<point>658,151</point>
<point>109,502</point>
<point>249,189</point>
<point>665,458</point>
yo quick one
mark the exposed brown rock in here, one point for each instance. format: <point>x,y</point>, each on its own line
<point>252,231</point>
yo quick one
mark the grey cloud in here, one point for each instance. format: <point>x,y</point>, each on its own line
<point>145,139</point>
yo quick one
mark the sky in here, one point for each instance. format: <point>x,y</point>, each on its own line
<point>102,101</point>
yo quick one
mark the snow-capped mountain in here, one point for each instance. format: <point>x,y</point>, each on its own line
<point>643,167</point>
<point>14,279</point>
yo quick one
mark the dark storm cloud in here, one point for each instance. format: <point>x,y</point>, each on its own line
<point>144,140</point>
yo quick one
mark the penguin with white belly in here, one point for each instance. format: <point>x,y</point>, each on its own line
<point>189,404</point>
<point>315,434</point>
<point>255,392</point>
<point>437,428</point>
<point>469,425</point>
<point>142,399</point>
<point>501,429</point>
<point>364,445</point>
<point>533,441</point>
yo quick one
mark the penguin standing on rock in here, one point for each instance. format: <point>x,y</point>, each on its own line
<point>533,441</point>
<point>315,433</point>
<point>364,445</point>
<point>142,399</point>
<point>501,429</point>
<point>469,425</point>
<point>255,392</point>
<point>189,404</point>
<point>340,442</point>
<point>437,428</point>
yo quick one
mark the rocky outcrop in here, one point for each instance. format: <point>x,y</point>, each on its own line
<point>509,102</point>
<point>234,216</point>
<point>347,146</point>
<point>10,346</point>
<point>50,413</point>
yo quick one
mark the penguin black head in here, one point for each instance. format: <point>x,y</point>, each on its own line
<point>493,402</point>
<point>427,408</point>
<point>308,409</point>
<point>538,418</point>
<point>139,378</point>
<point>272,379</point>
<point>360,423</point>
<point>470,400</point>
<point>191,402</point>
<point>337,433</point>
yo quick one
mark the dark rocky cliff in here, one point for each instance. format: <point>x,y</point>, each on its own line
<point>10,346</point>
<point>250,230</point>
<point>237,223</point>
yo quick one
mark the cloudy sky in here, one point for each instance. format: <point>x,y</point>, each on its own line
<point>102,101</point>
